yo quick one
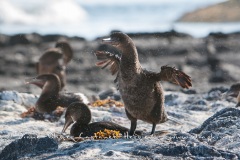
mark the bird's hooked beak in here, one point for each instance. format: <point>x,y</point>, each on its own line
<point>110,41</point>
<point>38,82</point>
<point>68,122</point>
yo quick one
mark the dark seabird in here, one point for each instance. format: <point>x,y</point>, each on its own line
<point>234,91</point>
<point>51,97</point>
<point>54,60</point>
<point>81,115</point>
<point>140,89</point>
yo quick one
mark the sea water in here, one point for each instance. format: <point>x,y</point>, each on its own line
<point>92,18</point>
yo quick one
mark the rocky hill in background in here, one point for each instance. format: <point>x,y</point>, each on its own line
<point>228,11</point>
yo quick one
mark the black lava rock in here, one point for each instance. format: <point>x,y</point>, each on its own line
<point>221,89</point>
<point>226,115</point>
<point>28,144</point>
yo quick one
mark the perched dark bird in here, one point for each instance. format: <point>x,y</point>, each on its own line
<point>81,115</point>
<point>140,89</point>
<point>51,97</point>
<point>54,60</point>
<point>234,91</point>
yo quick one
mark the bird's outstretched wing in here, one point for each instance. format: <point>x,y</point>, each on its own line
<point>108,59</point>
<point>66,50</point>
<point>175,76</point>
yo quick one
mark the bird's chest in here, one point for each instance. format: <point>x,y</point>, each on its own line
<point>136,93</point>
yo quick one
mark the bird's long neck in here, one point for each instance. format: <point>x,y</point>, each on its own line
<point>84,115</point>
<point>129,60</point>
<point>50,91</point>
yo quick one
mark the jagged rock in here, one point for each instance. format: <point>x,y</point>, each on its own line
<point>18,39</point>
<point>28,144</point>
<point>221,130</point>
<point>209,141</point>
<point>52,37</point>
<point>171,33</point>
<point>216,138</point>
<point>33,38</point>
<point>221,89</point>
<point>180,145</point>
<point>231,113</point>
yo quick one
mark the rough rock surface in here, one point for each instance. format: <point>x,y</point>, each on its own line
<point>28,145</point>
<point>217,138</point>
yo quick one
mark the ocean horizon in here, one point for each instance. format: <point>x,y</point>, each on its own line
<point>94,18</point>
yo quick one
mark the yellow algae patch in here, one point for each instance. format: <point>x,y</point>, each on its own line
<point>107,134</point>
<point>107,103</point>
<point>53,116</point>
<point>101,135</point>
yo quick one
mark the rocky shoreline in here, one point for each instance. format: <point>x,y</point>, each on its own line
<point>209,129</point>
<point>209,126</point>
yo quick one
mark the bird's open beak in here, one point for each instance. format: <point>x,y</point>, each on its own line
<point>110,41</point>
<point>35,81</point>
<point>106,40</point>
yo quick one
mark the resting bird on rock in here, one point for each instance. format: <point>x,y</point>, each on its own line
<point>234,91</point>
<point>140,89</point>
<point>54,60</point>
<point>51,97</point>
<point>80,115</point>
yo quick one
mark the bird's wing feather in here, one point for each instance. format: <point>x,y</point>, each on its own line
<point>175,76</point>
<point>108,59</point>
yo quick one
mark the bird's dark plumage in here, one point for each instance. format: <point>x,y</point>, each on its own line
<point>51,97</point>
<point>81,115</point>
<point>54,60</point>
<point>140,89</point>
<point>234,91</point>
